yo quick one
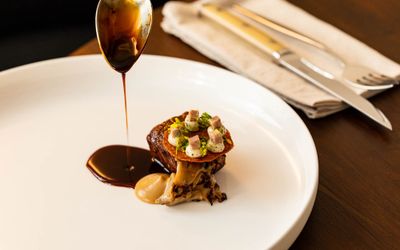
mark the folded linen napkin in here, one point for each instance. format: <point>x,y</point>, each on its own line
<point>211,39</point>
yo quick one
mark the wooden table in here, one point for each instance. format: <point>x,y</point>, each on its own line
<point>358,201</point>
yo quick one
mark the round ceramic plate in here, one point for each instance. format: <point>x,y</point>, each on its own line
<point>55,114</point>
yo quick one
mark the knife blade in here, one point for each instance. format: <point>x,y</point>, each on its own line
<point>291,61</point>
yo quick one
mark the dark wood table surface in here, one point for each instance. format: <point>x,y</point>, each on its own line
<point>358,200</point>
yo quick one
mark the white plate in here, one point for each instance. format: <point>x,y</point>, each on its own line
<point>54,114</point>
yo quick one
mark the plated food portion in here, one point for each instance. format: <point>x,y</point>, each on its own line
<point>185,153</point>
<point>193,148</point>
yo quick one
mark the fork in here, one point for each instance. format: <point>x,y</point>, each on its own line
<point>363,77</point>
<point>354,75</point>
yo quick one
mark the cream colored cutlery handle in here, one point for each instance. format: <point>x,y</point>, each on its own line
<point>243,29</point>
<point>276,26</point>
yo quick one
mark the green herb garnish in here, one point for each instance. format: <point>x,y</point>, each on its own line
<point>179,125</point>
<point>183,142</point>
<point>203,146</point>
<point>204,120</point>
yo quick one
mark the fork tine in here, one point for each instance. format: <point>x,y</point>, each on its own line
<point>366,78</point>
<point>384,76</point>
<point>381,77</point>
<point>368,81</point>
<point>369,86</point>
<point>377,79</point>
<point>387,78</point>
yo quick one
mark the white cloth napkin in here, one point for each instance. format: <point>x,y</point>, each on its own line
<point>219,44</point>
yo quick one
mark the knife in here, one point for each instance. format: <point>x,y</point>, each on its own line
<point>291,61</point>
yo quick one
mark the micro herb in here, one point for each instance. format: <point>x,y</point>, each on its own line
<point>222,130</point>
<point>179,125</point>
<point>183,142</point>
<point>204,120</point>
<point>203,146</point>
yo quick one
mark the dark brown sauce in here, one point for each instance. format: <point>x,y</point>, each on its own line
<point>120,165</point>
<point>121,41</point>
<point>125,108</point>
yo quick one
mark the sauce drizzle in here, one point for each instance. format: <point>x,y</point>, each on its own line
<point>121,165</point>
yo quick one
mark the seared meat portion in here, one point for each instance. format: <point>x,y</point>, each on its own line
<point>192,170</point>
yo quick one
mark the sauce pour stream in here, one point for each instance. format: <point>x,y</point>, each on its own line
<point>122,28</point>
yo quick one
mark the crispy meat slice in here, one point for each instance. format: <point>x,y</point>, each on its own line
<point>166,153</point>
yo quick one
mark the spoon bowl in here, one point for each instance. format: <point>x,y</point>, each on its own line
<point>122,28</point>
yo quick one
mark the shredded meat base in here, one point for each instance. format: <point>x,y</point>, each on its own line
<point>191,182</point>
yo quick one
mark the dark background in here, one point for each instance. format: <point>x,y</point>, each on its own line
<point>41,29</point>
